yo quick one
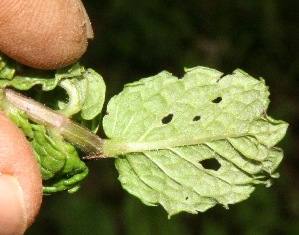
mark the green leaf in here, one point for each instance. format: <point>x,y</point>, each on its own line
<point>7,67</point>
<point>29,77</point>
<point>85,88</point>
<point>60,164</point>
<point>86,95</point>
<point>191,143</point>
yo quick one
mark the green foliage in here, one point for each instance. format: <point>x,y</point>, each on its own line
<point>187,144</point>
<point>7,67</point>
<point>136,39</point>
<point>60,164</point>
<point>165,129</point>
<point>61,167</point>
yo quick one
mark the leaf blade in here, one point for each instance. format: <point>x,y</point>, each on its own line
<point>163,128</point>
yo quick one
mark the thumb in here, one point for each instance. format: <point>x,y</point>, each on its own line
<point>20,180</point>
<point>44,34</point>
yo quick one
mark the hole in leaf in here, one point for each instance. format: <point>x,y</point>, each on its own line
<point>210,164</point>
<point>167,119</point>
<point>187,198</point>
<point>196,118</point>
<point>217,100</point>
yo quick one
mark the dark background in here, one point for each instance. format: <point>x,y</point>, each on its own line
<point>135,39</point>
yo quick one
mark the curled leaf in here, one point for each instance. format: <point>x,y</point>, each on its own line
<point>61,167</point>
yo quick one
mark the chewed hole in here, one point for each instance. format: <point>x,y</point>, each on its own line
<point>210,164</point>
<point>217,100</point>
<point>196,118</point>
<point>167,119</point>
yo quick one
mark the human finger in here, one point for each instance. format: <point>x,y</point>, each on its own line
<point>44,34</point>
<point>20,180</point>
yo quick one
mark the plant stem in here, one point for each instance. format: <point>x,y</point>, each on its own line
<point>70,130</point>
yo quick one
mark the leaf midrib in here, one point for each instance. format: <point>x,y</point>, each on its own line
<point>117,148</point>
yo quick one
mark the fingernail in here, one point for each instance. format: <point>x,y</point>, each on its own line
<point>12,210</point>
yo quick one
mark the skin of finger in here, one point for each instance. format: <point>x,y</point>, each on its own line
<point>44,34</point>
<point>12,214</point>
<point>17,159</point>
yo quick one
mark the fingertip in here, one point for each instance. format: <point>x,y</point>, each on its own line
<point>13,217</point>
<point>18,161</point>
